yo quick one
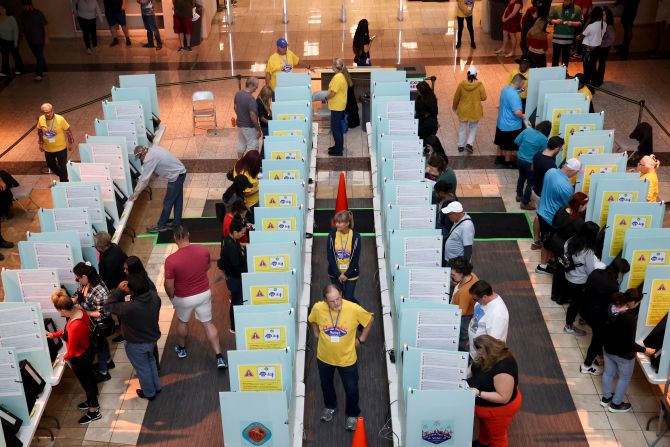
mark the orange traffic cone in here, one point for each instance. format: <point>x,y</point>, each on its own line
<point>341,202</point>
<point>360,438</point>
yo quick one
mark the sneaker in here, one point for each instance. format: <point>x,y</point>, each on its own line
<point>114,43</point>
<point>157,229</point>
<point>16,73</point>
<point>461,148</point>
<point>6,244</point>
<point>38,78</point>
<point>110,365</point>
<point>350,423</point>
<point>605,401</point>
<point>159,47</point>
<point>593,370</point>
<point>90,417</point>
<point>102,377</point>
<point>623,407</point>
<point>221,363</point>
<point>170,225</point>
<point>518,198</point>
<point>181,351</point>
<point>327,414</point>
<point>527,206</point>
<point>499,161</point>
<point>146,45</point>
<point>141,395</point>
<point>473,46</point>
<point>188,49</point>
<point>544,270</point>
<point>83,406</point>
<point>336,154</point>
<point>180,49</point>
<point>571,329</point>
<point>128,42</point>
<point>536,245</point>
<point>468,147</point>
<point>118,339</point>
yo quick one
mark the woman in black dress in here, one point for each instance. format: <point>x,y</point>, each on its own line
<point>362,44</point>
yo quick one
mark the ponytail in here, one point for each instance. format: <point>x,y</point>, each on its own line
<point>341,68</point>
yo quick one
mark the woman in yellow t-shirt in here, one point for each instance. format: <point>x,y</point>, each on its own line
<point>337,102</point>
<point>647,168</point>
<point>250,166</point>
<point>464,10</point>
<point>344,250</point>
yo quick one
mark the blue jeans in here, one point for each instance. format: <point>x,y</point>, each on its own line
<point>349,377</point>
<point>152,30</point>
<point>336,117</point>
<point>38,52</point>
<point>525,176</point>
<point>174,197</point>
<point>348,288</point>
<point>104,355</point>
<point>141,356</point>
<point>621,367</point>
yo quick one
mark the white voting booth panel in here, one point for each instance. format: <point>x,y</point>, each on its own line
<point>33,286</point>
<point>287,147</point>
<point>254,419</point>
<point>625,218</point>
<point>548,87</point>
<point>575,123</point>
<point>114,155</point>
<point>403,168</point>
<point>101,175</point>
<point>421,284</point>
<point>537,76</point>
<point>557,105</point>
<point>265,327</point>
<point>279,219</point>
<point>126,110</point>
<point>598,164</point>
<point>140,94</point>
<point>410,217</point>
<point>591,142</point>
<point>82,194</point>
<point>644,248</point>
<point>611,188</point>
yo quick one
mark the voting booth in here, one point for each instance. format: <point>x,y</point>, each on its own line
<point>265,404</point>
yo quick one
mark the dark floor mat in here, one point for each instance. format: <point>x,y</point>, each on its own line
<point>489,204</point>
<point>364,221</point>
<point>203,230</point>
<point>548,416</point>
<point>501,226</point>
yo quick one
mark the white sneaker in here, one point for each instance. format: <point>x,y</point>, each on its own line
<point>574,330</point>
<point>593,370</point>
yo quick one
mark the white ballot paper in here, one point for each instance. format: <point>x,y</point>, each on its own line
<point>442,371</point>
<point>422,251</point>
<point>429,284</point>
<point>437,330</point>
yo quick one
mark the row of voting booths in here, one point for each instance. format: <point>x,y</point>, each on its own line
<point>429,398</point>
<point>265,404</point>
<point>617,202</point>
<point>94,200</point>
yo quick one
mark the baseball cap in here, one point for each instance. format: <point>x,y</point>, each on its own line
<point>139,150</point>
<point>574,164</point>
<point>282,43</point>
<point>522,59</point>
<point>473,70</point>
<point>453,207</point>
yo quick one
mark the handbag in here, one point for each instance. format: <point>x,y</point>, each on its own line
<point>104,327</point>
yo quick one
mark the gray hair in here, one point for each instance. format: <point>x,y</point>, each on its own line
<point>251,82</point>
<point>140,150</point>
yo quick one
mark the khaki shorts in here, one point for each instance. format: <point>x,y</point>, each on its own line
<point>201,303</point>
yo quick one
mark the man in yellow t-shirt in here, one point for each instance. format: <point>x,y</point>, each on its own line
<point>334,323</point>
<point>54,139</point>
<point>283,60</point>
<point>523,68</point>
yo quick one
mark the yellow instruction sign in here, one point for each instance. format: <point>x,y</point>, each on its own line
<point>279,200</point>
<point>610,197</point>
<point>287,174</point>
<point>265,337</point>
<point>260,377</point>
<point>274,263</point>
<point>659,301</point>
<point>623,222</point>
<point>571,129</point>
<point>274,294</point>
<point>589,170</point>
<point>285,155</point>
<point>641,259</point>
<point>291,116</point>
<point>287,133</point>
<point>557,114</point>
<point>279,224</point>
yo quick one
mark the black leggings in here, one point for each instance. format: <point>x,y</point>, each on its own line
<point>576,294</point>
<point>88,32</point>
<point>82,367</point>
<point>471,30</point>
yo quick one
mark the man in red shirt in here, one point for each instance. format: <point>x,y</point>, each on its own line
<point>187,285</point>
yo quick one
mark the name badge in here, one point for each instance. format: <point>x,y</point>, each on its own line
<point>51,140</point>
<point>334,338</point>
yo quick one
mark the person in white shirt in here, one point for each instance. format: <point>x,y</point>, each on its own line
<point>490,316</point>
<point>592,37</point>
<point>158,160</point>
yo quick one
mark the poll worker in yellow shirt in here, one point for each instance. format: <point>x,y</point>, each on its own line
<point>523,68</point>
<point>282,60</point>
<point>337,103</point>
<point>334,322</point>
<point>343,253</point>
<point>54,139</point>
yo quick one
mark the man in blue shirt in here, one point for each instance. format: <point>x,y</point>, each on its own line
<point>510,122</point>
<point>556,192</point>
<point>530,142</point>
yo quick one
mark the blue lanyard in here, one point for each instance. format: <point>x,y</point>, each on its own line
<point>334,325</point>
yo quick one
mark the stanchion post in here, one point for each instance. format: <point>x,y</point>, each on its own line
<point>343,15</point>
<point>285,13</point>
<point>229,14</point>
<point>640,112</point>
<point>400,11</point>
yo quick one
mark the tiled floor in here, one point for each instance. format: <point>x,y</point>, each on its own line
<point>426,36</point>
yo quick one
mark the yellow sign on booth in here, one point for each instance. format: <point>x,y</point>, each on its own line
<point>610,197</point>
<point>623,222</point>
<point>643,258</point>
<point>288,174</point>
<point>275,263</point>
<point>276,224</point>
<point>287,133</point>
<point>279,200</point>
<point>260,377</point>
<point>265,337</point>
<point>277,294</point>
<point>571,129</point>
<point>285,155</point>
<point>589,170</point>
<point>659,301</point>
<point>291,116</point>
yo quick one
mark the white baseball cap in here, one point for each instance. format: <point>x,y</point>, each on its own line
<point>453,207</point>
<point>574,164</point>
<point>473,70</point>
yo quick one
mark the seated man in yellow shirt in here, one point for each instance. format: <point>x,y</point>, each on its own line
<point>334,323</point>
<point>283,60</point>
<point>54,139</point>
